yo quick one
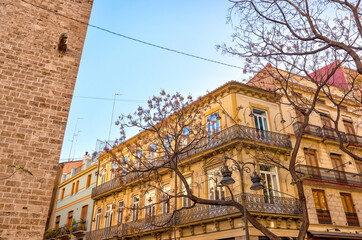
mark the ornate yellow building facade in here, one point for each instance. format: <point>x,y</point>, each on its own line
<point>260,128</point>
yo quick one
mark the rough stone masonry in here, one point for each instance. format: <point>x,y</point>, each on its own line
<point>37,78</point>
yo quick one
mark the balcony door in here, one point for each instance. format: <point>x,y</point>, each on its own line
<point>351,135</point>
<point>271,191</point>
<point>327,126</point>
<point>103,176</point>
<point>150,207</point>
<point>109,216</point>
<point>213,128</point>
<point>98,218</point>
<point>339,168</point>
<point>300,121</point>
<point>216,191</point>
<point>261,119</point>
<point>83,217</point>
<point>321,207</point>
<point>135,207</point>
<point>166,204</point>
<point>312,163</point>
<point>349,210</point>
<point>261,124</point>
<point>213,123</point>
<point>70,219</point>
<point>186,202</point>
<point>120,212</point>
<point>359,169</point>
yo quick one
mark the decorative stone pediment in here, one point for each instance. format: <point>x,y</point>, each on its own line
<point>213,162</point>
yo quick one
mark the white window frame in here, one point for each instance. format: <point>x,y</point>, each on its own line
<point>166,205</point>
<point>98,218</point>
<point>139,159</point>
<point>103,176</point>
<point>214,178</point>
<point>213,123</point>
<point>150,208</point>
<point>135,207</point>
<point>152,154</point>
<point>185,138</point>
<point>108,216</point>
<point>264,119</point>
<point>267,193</point>
<point>114,170</point>
<point>120,209</point>
<point>186,202</point>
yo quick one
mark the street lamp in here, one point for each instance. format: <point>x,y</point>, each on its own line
<point>228,180</point>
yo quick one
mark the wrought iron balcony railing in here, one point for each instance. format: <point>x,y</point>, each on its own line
<point>244,133</point>
<point>352,219</point>
<point>323,216</point>
<point>329,133</point>
<point>209,142</point>
<point>115,183</point>
<point>309,130</point>
<point>255,203</point>
<point>330,175</point>
<point>354,139</point>
<point>66,231</point>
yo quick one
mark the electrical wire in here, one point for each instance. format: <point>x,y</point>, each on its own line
<point>134,39</point>
<point>111,99</point>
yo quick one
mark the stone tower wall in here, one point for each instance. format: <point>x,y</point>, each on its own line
<point>36,88</point>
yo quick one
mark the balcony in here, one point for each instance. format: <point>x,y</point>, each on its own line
<point>256,136</point>
<point>66,232</point>
<point>312,130</point>
<point>236,132</point>
<point>330,175</point>
<point>115,183</point>
<point>79,229</point>
<point>329,134</point>
<point>255,203</point>
<point>354,140</point>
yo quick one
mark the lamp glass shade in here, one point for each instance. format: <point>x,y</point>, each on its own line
<point>226,177</point>
<point>256,182</point>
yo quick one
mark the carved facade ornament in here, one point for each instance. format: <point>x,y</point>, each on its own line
<point>289,223</point>
<point>217,225</point>
<point>213,162</point>
<point>268,222</point>
<point>239,148</point>
<point>247,149</point>
<point>180,232</point>
<point>299,223</point>
<point>231,222</point>
<point>192,230</point>
<point>279,222</point>
<point>204,228</point>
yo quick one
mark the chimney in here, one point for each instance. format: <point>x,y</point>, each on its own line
<point>87,160</point>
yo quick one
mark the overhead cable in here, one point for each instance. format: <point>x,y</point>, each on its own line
<point>133,39</point>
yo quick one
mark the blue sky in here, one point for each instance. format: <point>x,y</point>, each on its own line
<point>111,64</point>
